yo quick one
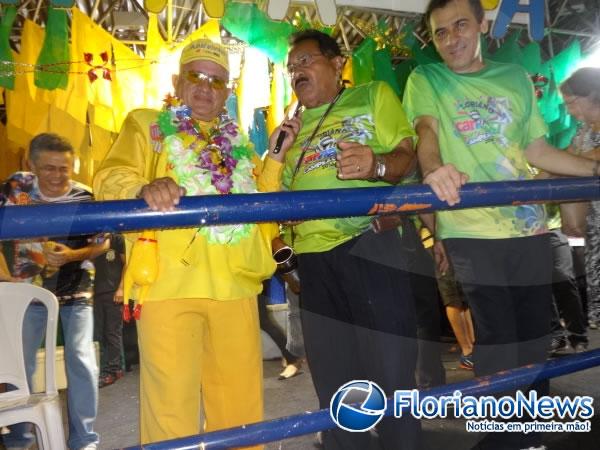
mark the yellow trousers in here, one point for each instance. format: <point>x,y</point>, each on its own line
<point>197,352</point>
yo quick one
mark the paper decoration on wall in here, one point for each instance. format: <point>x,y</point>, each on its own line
<point>7,72</point>
<point>155,6</point>
<point>91,73</point>
<point>539,83</point>
<point>326,10</point>
<point>534,10</point>
<point>52,66</point>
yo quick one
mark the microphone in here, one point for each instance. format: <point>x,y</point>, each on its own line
<point>283,134</point>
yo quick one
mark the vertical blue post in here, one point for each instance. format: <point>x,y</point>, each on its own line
<point>508,9</point>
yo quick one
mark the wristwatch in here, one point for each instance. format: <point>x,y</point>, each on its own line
<point>379,167</point>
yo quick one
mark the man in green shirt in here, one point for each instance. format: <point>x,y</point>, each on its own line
<point>358,313</point>
<point>478,121</point>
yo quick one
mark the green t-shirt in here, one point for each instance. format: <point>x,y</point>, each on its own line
<point>486,119</point>
<point>370,114</point>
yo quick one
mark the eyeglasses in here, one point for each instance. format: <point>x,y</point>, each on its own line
<point>199,77</point>
<point>303,61</point>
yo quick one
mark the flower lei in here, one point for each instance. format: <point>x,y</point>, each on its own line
<point>220,163</point>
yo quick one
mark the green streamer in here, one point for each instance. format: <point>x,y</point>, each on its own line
<point>7,71</point>
<point>52,69</point>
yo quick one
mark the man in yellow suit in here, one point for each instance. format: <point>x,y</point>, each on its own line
<point>198,330</point>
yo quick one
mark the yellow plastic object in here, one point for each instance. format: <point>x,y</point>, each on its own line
<point>141,270</point>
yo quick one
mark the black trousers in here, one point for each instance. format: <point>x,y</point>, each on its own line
<point>430,370</point>
<point>108,331</point>
<point>358,319</point>
<point>566,291</point>
<point>507,284</point>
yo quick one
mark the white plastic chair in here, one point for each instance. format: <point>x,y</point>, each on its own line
<point>20,405</point>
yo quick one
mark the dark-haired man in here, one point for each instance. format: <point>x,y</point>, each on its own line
<point>478,120</point>
<point>64,267</point>
<point>358,314</point>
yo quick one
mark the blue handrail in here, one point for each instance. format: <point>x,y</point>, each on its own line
<point>311,422</point>
<point>131,215</point>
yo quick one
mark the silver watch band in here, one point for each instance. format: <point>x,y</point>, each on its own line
<point>380,167</point>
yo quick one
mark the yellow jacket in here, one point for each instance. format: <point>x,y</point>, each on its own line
<point>215,271</point>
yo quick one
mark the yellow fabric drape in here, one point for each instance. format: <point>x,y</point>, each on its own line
<point>25,116</point>
<point>11,155</point>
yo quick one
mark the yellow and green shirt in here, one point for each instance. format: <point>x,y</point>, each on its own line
<point>369,114</point>
<point>486,119</point>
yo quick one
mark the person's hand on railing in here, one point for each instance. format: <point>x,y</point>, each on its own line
<point>446,181</point>
<point>162,194</point>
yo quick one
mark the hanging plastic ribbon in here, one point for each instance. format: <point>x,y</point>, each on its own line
<point>7,71</point>
<point>52,66</point>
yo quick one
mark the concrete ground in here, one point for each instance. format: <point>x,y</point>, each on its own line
<point>117,421</point>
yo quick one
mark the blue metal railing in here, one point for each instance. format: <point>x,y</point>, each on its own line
<point>311,422</point>
<point>130,215</point>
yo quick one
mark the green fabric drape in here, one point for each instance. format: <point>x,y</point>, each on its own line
<point>7,71</point>
<point>52,69</point>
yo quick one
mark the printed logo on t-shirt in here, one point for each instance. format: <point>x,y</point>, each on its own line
<point>483,120</point>
<point>323,149</point>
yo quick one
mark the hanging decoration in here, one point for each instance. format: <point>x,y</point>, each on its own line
<point>214,8</point>
<point>155,6</point>
<point>7,73</point>
<point>301,22</point>
<point>55,52</point>
<point>384,36</point>
<point>248,23</point>
<point>326,10</point>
